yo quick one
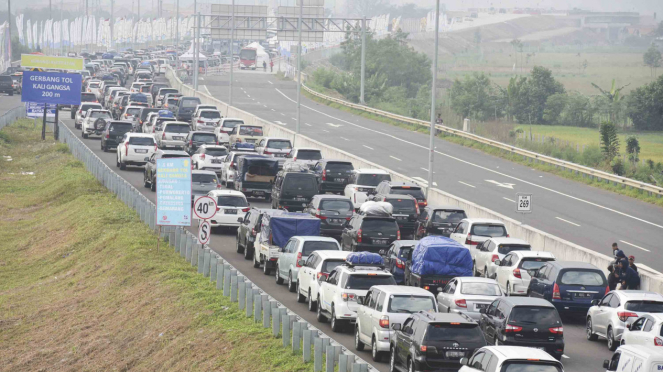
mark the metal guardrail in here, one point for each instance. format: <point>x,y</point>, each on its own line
<point>12,115</point>
<point>578,169</point>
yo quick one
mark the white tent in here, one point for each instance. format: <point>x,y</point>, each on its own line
<point>188,56</point>
<point>261,54</point>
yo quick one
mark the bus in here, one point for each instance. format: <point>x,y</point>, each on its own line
<point>247,58</point>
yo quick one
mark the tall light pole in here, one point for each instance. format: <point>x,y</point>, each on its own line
<point>431,156</point>
<point>232,41</point>
<point>9,20</point>
<point>177,27</point>
<point>299,68</point>
<point>61,33</point>
<point>112,24</point>
<point>363,60</point>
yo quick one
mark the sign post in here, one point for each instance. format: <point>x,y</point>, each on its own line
<point>173,193</point>
<point>204,208</point>
<point>523,204</point>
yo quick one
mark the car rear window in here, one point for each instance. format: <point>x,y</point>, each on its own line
<point>133,110</point>
<point>141,141</point>
<point>84,108</point>
<point>529,366</point>
<point>295,183</point>
<point>366,281</point>
<point>216,152</point>
<point>310,247</point>
<point>116,128</point>
<point>380,224</point>
<point>204,137</point>
<point>493,231</point>
<point>644,306</point>
<point>203,178</point>
<point>462,333</point>
<point>94,85</point>
<point>99,114</point>
<point>231,201</point>
<point>309,155</point>
<point>582,277</point>
<point>172,101</point>
<point>533,263</point>
<point>410,304</point>
<point>534,315</point>
<point>139,98</point>
<point>190,102</point>
<point>6,79</point>
<point>508,248</point>
<point>414,191</point>
<point>336,205</point>
<point>339,167</point>
<point>405,253</point>
<point>372,179</point>
<point>232,123</point>
<point>279,144</point>
<point>449,216</point>
<point>250,131</point>
<point>210,114</point>
<point>480,289</point>
<point>403,205</point>
<point>329,265</point>
<point>163,92</point>
<point>177,128</point>
<point>88,97</point>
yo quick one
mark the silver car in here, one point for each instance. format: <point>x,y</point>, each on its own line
<point>468,295</point>
<point>295,253</point>
<point>609,317</point>
<point>202,182</point>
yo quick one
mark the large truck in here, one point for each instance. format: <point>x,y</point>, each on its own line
<point>255,175</point>
<point>435,260</point>
<point>277,227</point>
<point>248,58</point>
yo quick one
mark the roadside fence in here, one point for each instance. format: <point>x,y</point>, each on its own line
<point>12,115</point>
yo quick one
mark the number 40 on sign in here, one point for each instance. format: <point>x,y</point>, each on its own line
<point>204,207</point>
<point>523,203</point>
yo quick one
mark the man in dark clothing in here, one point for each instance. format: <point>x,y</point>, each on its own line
<point>621,257</point>
<point>631,263</point>
<point>628,277</point>
<point>612,279</point>
<point>616,251</point>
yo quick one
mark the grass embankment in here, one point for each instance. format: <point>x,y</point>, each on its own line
<point>83,288</point>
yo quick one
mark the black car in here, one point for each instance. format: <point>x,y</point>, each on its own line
<point>196,139</point>
<point>524,321</point>
<point>6,84</point>
<point>333,212</point>
<point>434,342</point>
<point>185,108</point>
<point>405,212</point>
<point>370,233</point>
<point>248,229</point>
<point>333,175</point>
<point>150,174</point>
<point>113,133</point>
<point>438,221</point>
<point>402,188</point>
<point>154,89</point>
<point>143,115</point>
<point>398,254</point>
<point>294,188</point>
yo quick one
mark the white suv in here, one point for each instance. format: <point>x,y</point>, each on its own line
<point>276,147</point>
<point>295,253</point>
<point>82,111</point>
<point>493,249</point>
<point>513,272</point>
<point>508,358</point>
<point>316,268</point>
<point>337,296</point>
<point>470,232</point>
<point>362,183</point>
<point>134,148</point>
<point>383,306</point>
<point>87,127</point>
<point>229,167</point>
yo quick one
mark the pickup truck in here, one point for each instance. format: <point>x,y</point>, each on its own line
<point>277,227</point>
<point>255,176</point>
<point>436,260</point>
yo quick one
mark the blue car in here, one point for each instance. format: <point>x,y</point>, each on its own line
<point>569,285</point>
<point>396,256</point>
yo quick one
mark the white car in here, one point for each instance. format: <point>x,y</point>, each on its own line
<point>206,120</point>
<point>337,296</point>
<point>510,358</point>
<point>161,93</point>
<point>646,330</point>
<point>294,255</point>
<point>468,295</point>
<point>307,156</point>
<point>163,66</point>
<point>229,167</point>
<point>362,183</point>
<point>383,306</point>
<point>130,112</point>
<point>275,147</point>
<point>135,87</point>
<point>173,134</point>
<point>203,107</point>
<point>93,87</point>
<point>470,232</point>
<point>485,254</point>
<point>112,92</point>
<point>133,149</point>
<point>317,267</point>
<point>209,157</point>
<point>231,205</point>
<point>148,122</point>
<point>513,271</point>
<point>82,111</point>
<point>647,358</point>
<point>87,127</point>
<point>226,126</point>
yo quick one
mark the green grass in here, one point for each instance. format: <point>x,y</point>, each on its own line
<point>82,286</point>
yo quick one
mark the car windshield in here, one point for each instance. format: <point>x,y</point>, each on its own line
<point>117,128</point>
<point>204,178</point>
<point>278,144</point>
<point>232,123</point>
<point>508,248</point>
<point>163,92</point>
<point>534,315</point>
<point>644,306</point>
<point>310,247</point>
<point>453,217</point>
<point>529,367</point>
<point>380,224</point>
<point>337,205</point>
<point>216,152</point>
<point>372,179</point>
<point>250,131</point>
<point>492,231</point>
<point>296,183</point>
<point>582,277</point>
<point>178,128</point>
<point>87,97</point>
<point>410,304</point>
<point>403,205</point>
<point>309,155</point>
<point>94,85</point>
<point>339,167</point>
<point>480,289</point>
<point>462,333</point>
<point>329,265</point>
<point>190,103</point>
<point>405,253</point>
<point>231,201</point>
<point>210,114</point>
<point>533,263</point>
<point>84,108</point>
<point>99,114</point>
<point>141,141</point>
<point>203,137</point>
<point>365,282</point>
<point>414,191</point>
<point>172,101</point>
<point>133,111</point>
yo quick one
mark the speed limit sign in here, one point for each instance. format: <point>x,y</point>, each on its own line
<point>204,232</point>
<point>523,203</point>
<point>204,207</point>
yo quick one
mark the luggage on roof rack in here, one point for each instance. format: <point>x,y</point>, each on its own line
<point>243,146</point>
<point>292,166</point>
<point>371,208</point>
<point>364,259</point>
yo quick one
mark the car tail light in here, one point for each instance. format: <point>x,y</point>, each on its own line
<point>268,152</point>
<point>423,204</point>
<point>516,274</point>
<point>294,159</point>
<point>512,328</point>
<point>218,209</point>
<point>417,208</point>
<point>348,297</point>
<point>218,185</point>
<point>192,166</point>
<point>232,163</point>
<point>658,342</point>
<point>246,209</point>
<point>217,143</point>
<point>400,264</point>
<point>398,235</point>
<point>384,321</point>
<point>190,142</point>
<point>202,156</point>
<point>556,294</point>
<point>427,287</point>
<point>624,315</point>
<point>253,232</point>
<point>494,258</point>
<point>423,348</point>
<point>507,235</point>
<point>107,136</point>
<point>317,214</point>
<point>126,150</point>
<point>557,330</point>
<point>163,136</point>
<point>469,240</point>
<point>607,289</point>
<point>461,303</point>
<point>324,175</point>
<point>322,274</point>
<point>299,257</point>
<point>359,236</point>
<point>155,147</point>
<point>200,121</point>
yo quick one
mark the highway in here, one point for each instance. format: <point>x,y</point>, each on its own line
<point>582,214</point>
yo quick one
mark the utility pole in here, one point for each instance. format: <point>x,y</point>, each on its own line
<point>9,20</point>
<point>61,33</point>
<point>177,27</point>
<point>363,60</point>
<point>112,23</point>
<point>299,68</point>
<point>431,144</point>
<point>232,41</point>
<point>50,9</point>
<point>197,53</point>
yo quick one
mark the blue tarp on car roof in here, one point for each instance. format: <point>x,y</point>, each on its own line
<point>437,255</point>
<point>166,114</point>
<point>364,258</point>
<point>283,225</point>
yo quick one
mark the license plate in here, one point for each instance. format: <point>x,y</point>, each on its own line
<point>216,161</point>
<point>335,220</point>
<point>178,138</point>
<point>259,193</point>
<point>230,211</point>
<point>455,354</point>
<point>402,218</point>
<point>300,199</point>
<point>279,155</point>
<point>140,151</point>
<point>339,179</point>
<point>380,241</point>
<point>582,295</point>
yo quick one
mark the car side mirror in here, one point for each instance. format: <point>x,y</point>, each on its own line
<point>606,364</point>
<point>360,300</point>
<point>498,263</point>
<point>482,310</point>
<point>439,289</point>
<point>595,303</point>
<point>240,220</point>
<point>147,158</point>
<point>300,263</point>
<point>396,326</point>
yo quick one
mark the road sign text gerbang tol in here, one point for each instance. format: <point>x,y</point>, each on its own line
<point>36,79</point>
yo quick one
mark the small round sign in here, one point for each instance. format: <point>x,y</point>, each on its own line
<point>204,208</point>
<point>204,231</point>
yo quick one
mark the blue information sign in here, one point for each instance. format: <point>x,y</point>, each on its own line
<point>174,192</point>
<point>51,87</point>
<point>36,110</point>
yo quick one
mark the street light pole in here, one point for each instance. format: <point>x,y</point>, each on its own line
<point>299,68</point>
<point>112,23</point>
<point>232,41</point>
<point>363,60</point>
<point>431,156</point>
<point>177,27</point>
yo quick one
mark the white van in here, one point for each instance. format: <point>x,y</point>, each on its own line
<point>631,358</point>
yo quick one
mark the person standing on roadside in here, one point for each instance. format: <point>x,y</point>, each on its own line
<point>271,65</point>
<point>631,263</point>
<point>616,250</point>
<point>612,278</point>
<point>264,66</point>
<point>628,278</point>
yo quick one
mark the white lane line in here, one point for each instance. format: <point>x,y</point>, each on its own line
<point>207,90</point>
<point>633,245</point>
<point>324,130</point>
<point>273,110</point>
<point>393,157</point>
<point>270,82</point>
<point>265,106</point>
<point>295,119</point>
<point>308,125</point>
<point>282,114</point>
<point>572,223</point>
<point>248,95</point>
<point>467,184</point>
<point>479,166</point>
<point>343,138</point>
<point>370,148</point>
<point>424,169</point>
<point>505,198</point>
<point>565,357</point>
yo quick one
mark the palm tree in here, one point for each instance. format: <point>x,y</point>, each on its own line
<point>614,96</point>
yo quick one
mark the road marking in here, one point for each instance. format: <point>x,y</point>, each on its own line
<point>467,184</point>
<point>280,122</point>
<point>499,184</point>
<point>324,130</point>
<point>505,198</point>
<point>270,82</point>
<point>208,92</point>
<point>370,148</point>
<point>265,106</point>
<point>633,245</point>
<point>248,95</point>
<point>201,78</point>
<point>283,114</point>
<point>307,124</point>
<point>335,125</point>
<point>424,169</point>
<point>565,357</point>
<point>572,223</point>
<point>480,167</point>
<point>273,110</point>
<point>393,157</point>
<point>295,119</point>
<point>423,181</point>
<point>343,138</point>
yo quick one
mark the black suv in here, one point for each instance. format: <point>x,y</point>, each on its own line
<point>294,188</point>
<point>185,108</point>
<point>196,139</point>
<point>405,212</point>
<point>333,212</point>
<point>7,84</point>
<point>370,233</point>
<point>524,321</point>
<point>333,175</point>
<point>438,221</point>
<point>434,341</point>
<point>142,116</point>
<point>248,229</point>
<point>113,133</point>
<point>402,188</point>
